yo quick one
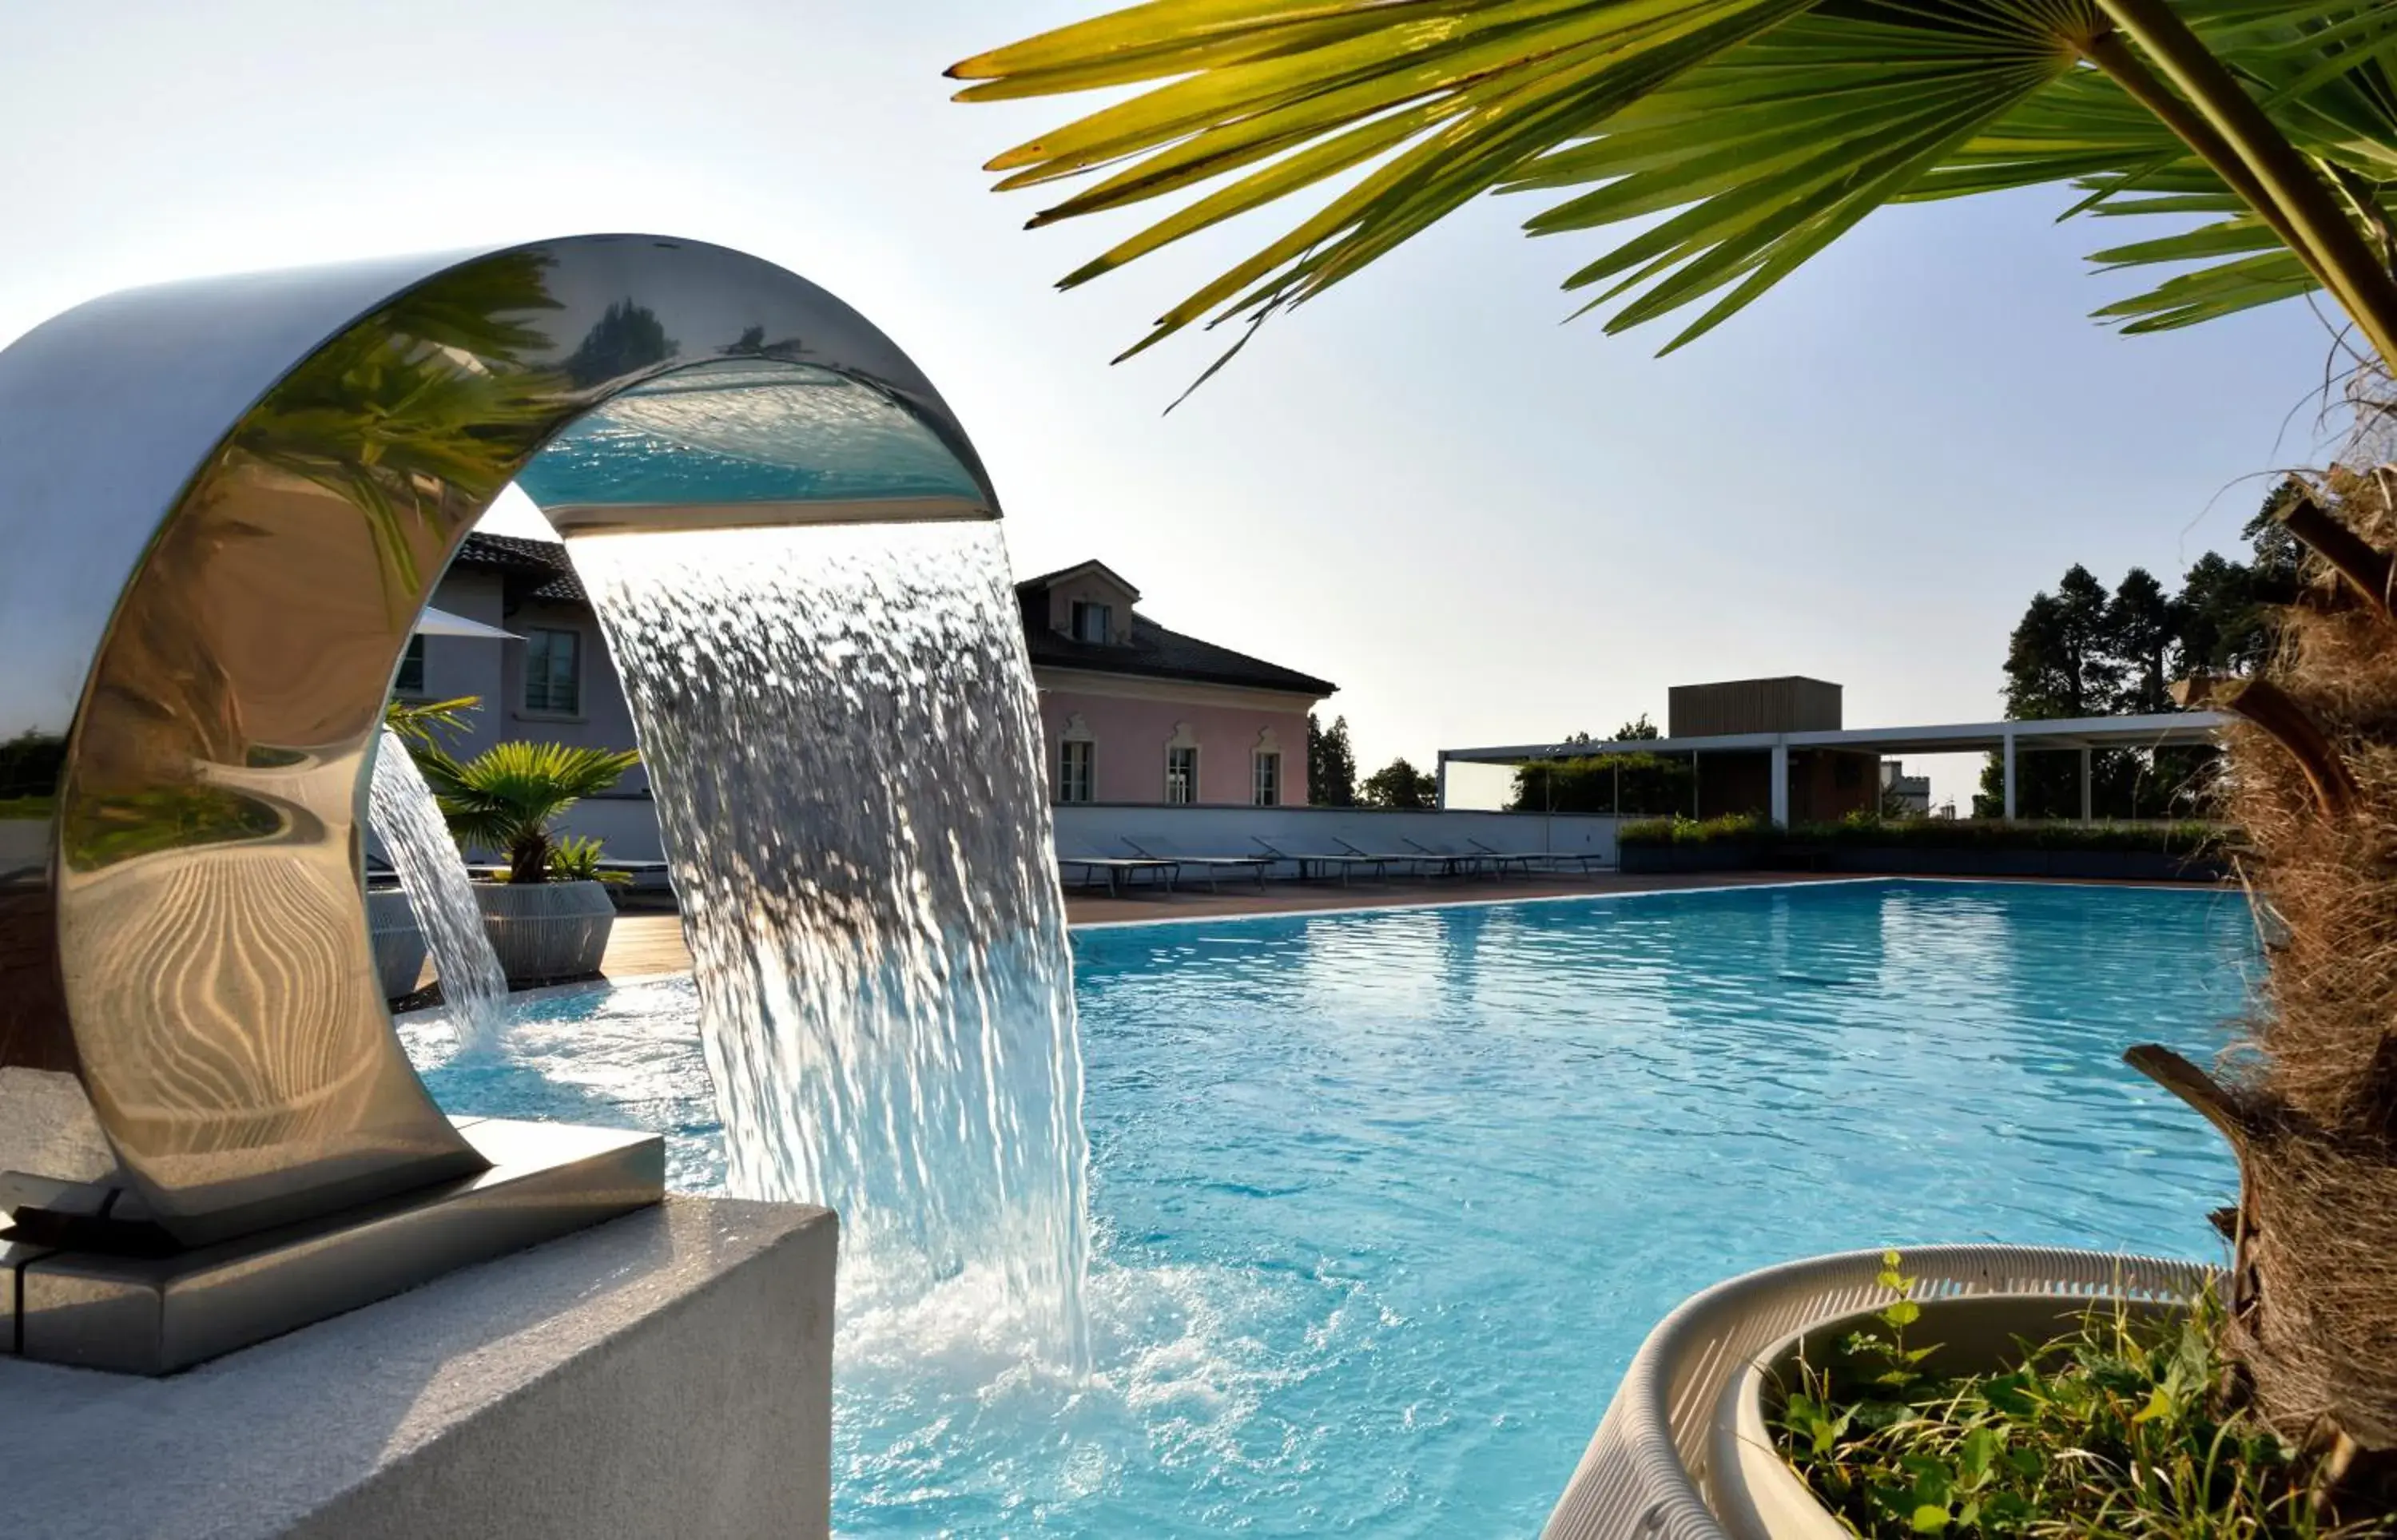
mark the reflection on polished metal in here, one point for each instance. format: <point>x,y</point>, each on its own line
<point>224,504</point>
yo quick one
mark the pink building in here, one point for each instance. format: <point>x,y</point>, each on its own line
<point>1131,713</point>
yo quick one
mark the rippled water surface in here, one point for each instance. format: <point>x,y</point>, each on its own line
<point>1385,1202</point>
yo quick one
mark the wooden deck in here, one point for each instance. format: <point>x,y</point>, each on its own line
<point>646,944</point>
<point>652,943</point>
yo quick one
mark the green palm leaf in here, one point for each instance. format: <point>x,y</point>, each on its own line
<point>509,797</point>
<point>2214,291</point>
<point>1740,137</point>
<point>1776,148</point>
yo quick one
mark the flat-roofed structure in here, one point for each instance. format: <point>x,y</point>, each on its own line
<point>1790,704</point>
<point>2164,730</point>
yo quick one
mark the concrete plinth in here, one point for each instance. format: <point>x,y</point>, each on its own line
<point>668,1374</point>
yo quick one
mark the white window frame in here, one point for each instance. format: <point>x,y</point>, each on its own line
<point>1068,784</point>
<point>525,682</point>
<point>1264,776</point>
<point>1189,785</point>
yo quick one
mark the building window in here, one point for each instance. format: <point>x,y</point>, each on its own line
<point>1180,776</point>
<point>1267,784</point>
<point>1073,771</point>
<point>553,675</point>
<point>410,680</point>
<point>1091,621</point>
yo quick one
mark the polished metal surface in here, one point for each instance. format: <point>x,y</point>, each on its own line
<point>153,1315</point>
<point>223,505</point>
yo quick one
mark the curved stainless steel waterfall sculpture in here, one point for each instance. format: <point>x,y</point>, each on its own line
<point>222,505</point>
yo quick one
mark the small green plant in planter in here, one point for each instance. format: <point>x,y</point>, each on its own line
<point>576,858</point>
<point>2117,1430</point>
<point>510,797</point>
<point>550,919</point>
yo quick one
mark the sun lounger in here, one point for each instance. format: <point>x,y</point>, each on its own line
<point>1587,860</point>
<point>1312,860</point>
<point>1412,860</point>
<point>1466,859</point>
<point>1157,847</point>
<point>1522,860</point>
<point>1118,870</point>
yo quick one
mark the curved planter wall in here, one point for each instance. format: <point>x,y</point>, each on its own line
<point>1682,1453</point>
<point>399,944</point>
<point>546,931</point>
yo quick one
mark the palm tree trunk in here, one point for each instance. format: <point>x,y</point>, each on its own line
<point>528,859</point>
<point>2312,771</point>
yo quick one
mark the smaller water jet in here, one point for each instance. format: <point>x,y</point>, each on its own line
<point>407,820</point>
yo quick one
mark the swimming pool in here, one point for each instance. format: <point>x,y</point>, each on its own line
<point>1385,1200</point>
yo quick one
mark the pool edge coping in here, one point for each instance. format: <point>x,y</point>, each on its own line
<point>1406,906</point>
<point>1772,886</point>
<point>584,986</point>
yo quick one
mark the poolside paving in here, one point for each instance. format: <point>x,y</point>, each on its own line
<point>644,944</point>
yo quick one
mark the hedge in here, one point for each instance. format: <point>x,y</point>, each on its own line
<point>1759,833</point>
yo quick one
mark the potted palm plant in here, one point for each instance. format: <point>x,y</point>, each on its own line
<point>550,916</point>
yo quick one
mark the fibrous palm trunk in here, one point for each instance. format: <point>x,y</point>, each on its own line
<point>2310,1102</point>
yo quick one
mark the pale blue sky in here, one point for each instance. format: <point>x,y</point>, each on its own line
<point>1489,528</point>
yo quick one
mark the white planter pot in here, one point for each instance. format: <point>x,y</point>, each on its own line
<point>399,944</point>
<point>1683,1452</point>
<point>546,931</point>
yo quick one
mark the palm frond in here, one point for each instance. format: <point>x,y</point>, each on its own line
<point>1440,100</point>
<point>1738,137</point>
<point>1782,144</point>
<point>2214,291</point>
<point>423,724</point>
<point>512,793</point>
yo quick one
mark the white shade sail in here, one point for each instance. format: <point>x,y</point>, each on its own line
<point>440,622</point>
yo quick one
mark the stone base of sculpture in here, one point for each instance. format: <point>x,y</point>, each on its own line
<point>76,1289</point>
<point>665,1374</point>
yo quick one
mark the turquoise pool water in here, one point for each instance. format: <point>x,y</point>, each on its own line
<point>1385,1200</point>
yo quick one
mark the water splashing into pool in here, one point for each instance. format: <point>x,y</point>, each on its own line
<point>408,822</point>
<point>842,736</point>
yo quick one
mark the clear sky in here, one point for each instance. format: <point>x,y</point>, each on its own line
<point>1489,527</point>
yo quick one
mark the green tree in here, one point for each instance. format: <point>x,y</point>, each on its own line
<point>2083,652</point>
<point>2142,622</point>
<point>2225,626</point>
<point>510,797</point>
<point>1637,785</point>
<point>1400,784</point>
<point>31,764</point>
<point>1636,730</point>
<point>2087,677</point>
<point>2226,607</point>
<point>1331,763</point>
<point>2057,665</point>
<point>2057,660</point>
<point>626,338</point>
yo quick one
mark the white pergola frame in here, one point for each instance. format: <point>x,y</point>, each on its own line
<point>2162,730</point>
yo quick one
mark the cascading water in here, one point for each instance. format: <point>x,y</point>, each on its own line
<point>407,820</point>
<point>841,726</point>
